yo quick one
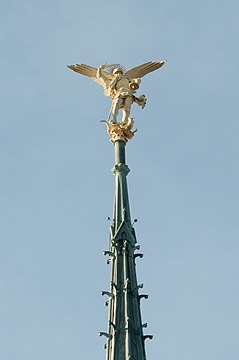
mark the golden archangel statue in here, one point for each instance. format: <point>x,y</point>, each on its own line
<point>121,87</point>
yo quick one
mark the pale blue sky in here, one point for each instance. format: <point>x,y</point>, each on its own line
<point>57,187</point>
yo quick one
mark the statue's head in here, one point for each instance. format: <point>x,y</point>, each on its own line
<point>117,71</point>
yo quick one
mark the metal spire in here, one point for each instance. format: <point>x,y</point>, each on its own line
<point>125,338</point>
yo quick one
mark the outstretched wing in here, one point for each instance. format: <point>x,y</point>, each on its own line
<point>144,69</point>
<point>84,70</point>
<point>91,72</point>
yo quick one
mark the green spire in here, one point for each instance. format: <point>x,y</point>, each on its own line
<point>125,339</point>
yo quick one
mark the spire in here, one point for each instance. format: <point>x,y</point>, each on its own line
<point>125,338</point>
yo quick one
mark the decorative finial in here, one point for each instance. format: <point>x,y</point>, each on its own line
<point>120,131</point>
<point>121,87</point>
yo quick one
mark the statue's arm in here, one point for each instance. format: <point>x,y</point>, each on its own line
<point>100,75</point>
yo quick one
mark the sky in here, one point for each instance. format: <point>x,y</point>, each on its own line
<point>57,188</point>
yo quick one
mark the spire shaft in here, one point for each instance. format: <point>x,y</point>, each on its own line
<point>125,334</point>
<point>119,147</point>
<point>121,201</point>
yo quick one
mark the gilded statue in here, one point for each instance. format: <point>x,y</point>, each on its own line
<point>121,87</point>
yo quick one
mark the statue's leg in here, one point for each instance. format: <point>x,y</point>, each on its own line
<point>126,110</point>
<point>115,109</point>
